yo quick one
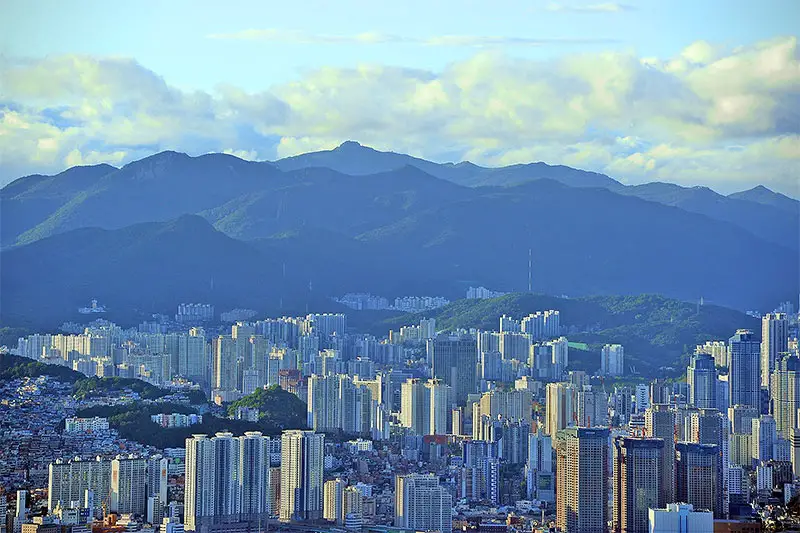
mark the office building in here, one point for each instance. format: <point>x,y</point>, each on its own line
<point>421,504</point>
<point>581,476</point>
<point>744,374</point>
<point>774,343</point>
<point>454,359</point>
<point>302,455</point>
<point>701,378</point>
<point>636,482</point>
<point>741,418</point>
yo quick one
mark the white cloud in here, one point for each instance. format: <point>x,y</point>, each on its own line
<point>726,118</point>
<point>374,38</point>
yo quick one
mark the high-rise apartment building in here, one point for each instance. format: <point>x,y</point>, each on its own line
<point>786,393</point>
<point>542,324</point>
<point>561,407</point>
<point>763,438</point>
<point>659,423</point>
<point>716,349</point>
<point>302,456</point>
<point>513,405</point>
<point>69,481</point>
<point>421,504</point>
<point>333,505</point>
<point>612,360</point>
<point>582,479</point>
<point>636,482</point>
<point>339,402</point>
<point>128,485</point>
<point>227,479</point>
<point>774,342</point>
<point>157,479</point>
<point>699,476</point>
<point>425,406</point>
<point>225,376</point>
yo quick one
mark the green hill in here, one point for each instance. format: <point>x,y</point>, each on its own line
<point>655,331</point>
<point>277,408</point>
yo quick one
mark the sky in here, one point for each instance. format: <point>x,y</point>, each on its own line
<point>696,93</point>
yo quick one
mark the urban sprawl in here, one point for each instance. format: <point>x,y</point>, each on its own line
<point>421,430</point>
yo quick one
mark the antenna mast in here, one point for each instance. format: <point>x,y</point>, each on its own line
<point>530,270</point>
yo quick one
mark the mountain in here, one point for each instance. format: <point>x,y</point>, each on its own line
<point>253,200</point>
<point>156,188</point>
<point>767,215</point>
<point>770,222</point>
<point>593,241</point>
<point>28,201</point>
<point>275,237</point>
<point>761,195</point>
<point>584,241</point>
<point>135,271</point>
<point>353,158</point>
<point>322,198</point>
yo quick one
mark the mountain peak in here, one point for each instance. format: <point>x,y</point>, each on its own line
<point>351,146</point>
<point>166,155</point>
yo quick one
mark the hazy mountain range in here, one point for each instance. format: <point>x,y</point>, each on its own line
<point>284,234</point>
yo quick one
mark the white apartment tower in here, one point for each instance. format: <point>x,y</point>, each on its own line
<point>612,360</point>
<point>774,341</point>
<point>421,504</point>
<point>302,457</point>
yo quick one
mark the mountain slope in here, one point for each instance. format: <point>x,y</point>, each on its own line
<point>143,268</point>
<point>28,201</point>
<point>321,198</point>
<point>353,158</point>
<point>764,221</point>
<point>592,241</point>
<point>761,195</point>
<point>156,188</point>
<point>239,196</point>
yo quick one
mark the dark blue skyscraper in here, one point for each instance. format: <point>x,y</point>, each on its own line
<point>745,369</point>
<point>702,379</point>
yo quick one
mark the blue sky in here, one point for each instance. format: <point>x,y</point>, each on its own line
<point>280,78</point>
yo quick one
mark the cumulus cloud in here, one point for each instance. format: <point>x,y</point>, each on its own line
<point>726,118</point>
<point>372,38</point>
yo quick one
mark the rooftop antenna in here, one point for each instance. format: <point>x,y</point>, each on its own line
<point>530,270</point>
